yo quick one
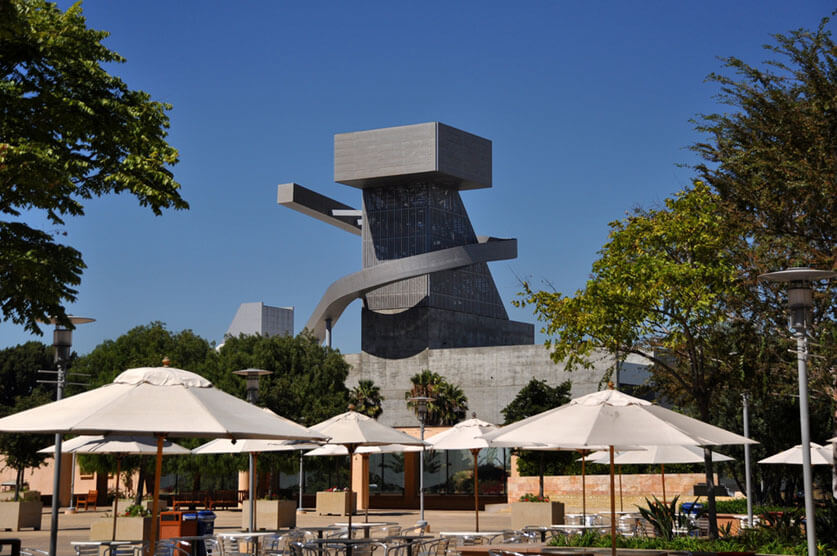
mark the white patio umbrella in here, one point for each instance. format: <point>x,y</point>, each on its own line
<point>466,435</point>
<point>820,455</point>
<point>118,446</point>
<point>655,455</point>
<point>611,418</point>
<point>339,450</point>
<point>254,446</point>
<point>352,430</point>
<point>158,401</point>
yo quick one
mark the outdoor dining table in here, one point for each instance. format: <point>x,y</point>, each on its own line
<point>462,535</point>
<point>348,543</point>
<point>319,529</point>
<point>254,537</point>
<point>366,526</point>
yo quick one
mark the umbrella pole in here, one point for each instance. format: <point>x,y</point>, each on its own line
<point>301,476</point>
<point>351,448</point>
<point>663,476</point>
<point>252,488</point>
<point>155,502</point>
<point>475,452</point>
<point>116,496</point>
<point>583,488</point>
<point>612,506</point>
<point>621,507</point>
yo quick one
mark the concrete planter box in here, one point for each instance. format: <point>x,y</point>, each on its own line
<point>16,515</point>
<point>127,529</point>
<point>335,503</point>
<point>536,513</point>
<point>270,514</point>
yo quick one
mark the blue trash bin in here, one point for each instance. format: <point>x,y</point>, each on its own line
<point>206,526</point>
<point>692,509</point>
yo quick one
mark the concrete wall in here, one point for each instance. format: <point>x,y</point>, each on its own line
<point>490,376</point>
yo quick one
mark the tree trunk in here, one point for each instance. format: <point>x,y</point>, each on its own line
<point>140,486</point>
<point>710,495</point>
<point>18,483</point>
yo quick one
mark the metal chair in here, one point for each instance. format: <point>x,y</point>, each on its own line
<point>416,530</point>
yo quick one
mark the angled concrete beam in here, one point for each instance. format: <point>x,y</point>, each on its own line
<point>345,290</point>
<point>324,209</point>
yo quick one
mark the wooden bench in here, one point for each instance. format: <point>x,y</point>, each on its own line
<point>223,499</point>
<point>190,500</point>
<point>87,500</point>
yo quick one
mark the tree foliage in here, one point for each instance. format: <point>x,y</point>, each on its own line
<point>659,289</point>
<point>69,131</point>
<point>308,380</point>
<point>19,366</point>
<point>771,156</point>
<point>449,404</point>
<point>367,399</point>
<point>21,450</point>
<point>536,397</point>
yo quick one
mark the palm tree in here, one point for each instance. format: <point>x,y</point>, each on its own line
<point>367,398</point>
<point>449,404</point>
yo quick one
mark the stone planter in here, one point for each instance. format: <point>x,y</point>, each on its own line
<point>536,513</point>
<point>270,514</point>
<point>17,515</point>
<point>335,503</point>
<point>127,529</point>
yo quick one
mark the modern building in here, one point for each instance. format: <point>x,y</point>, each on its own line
<point>429,301</point>
<point>258,318</point>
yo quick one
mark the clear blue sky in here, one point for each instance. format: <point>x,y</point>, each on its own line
<point>587,105</point>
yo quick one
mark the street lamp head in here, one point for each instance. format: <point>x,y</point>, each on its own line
<point>252,376</point>
<point>800,295</point>
<point>62,337</point>
<point>421,405</point>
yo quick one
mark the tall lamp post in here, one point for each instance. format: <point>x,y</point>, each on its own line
<point>62,341</point>
<point>421,405</point>
<point>252,376</point>
<point>800,303</point>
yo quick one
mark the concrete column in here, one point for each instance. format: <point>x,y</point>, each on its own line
<point>360,479</point>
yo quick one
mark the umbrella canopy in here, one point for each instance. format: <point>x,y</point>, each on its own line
<point>655,455</point>
<point>119,446</point>
<point>158,401</point>
<point>251,445</point>
<point>353,429</point>
<point>338,450</point>
<point>611,418</point>
<point>467,435</point>
<point>820,455</point>
<point>116,444</point>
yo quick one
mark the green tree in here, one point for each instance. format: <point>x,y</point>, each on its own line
<point>21,450</point>
<point>660,289</point>
<point>536,397</point>
<point>449,404</point>
<point>19,367</point>
<point>146,346</point>
<point>770,157</point>
<point>367,398</point>
<point>69,131</point>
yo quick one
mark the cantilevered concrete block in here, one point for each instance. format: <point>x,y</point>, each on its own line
<point>409,154</point>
